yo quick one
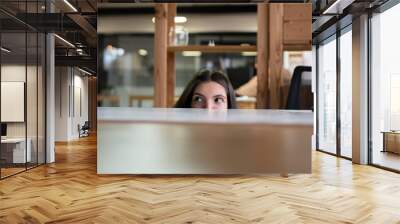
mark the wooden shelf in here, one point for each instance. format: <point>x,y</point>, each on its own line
<point>214,49</point>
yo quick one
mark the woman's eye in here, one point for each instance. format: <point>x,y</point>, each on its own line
<point>219,100</point>
<point>197,99</point>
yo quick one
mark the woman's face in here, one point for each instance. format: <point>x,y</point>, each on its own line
<point>210,95</point>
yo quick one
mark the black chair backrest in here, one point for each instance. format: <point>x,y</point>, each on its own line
<point>293,100</point>
<point>86,125</point>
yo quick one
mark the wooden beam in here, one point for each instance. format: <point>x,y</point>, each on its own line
<point>160,55</point>
<point>262,56</point>
<point>171,74</point>
<point>275,60</point>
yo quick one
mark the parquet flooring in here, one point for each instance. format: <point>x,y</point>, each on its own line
<point>70,191</point>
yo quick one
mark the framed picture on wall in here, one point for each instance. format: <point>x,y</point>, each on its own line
<point>12,101</point>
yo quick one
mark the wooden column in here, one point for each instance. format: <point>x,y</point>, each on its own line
<point>160,55</point>
<point>171,76</point>
<point>262,56</point>
<point>92,98</point>
<point>275,60</point>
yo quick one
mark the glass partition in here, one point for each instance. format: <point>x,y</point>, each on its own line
<point>22,88</point>
<point>385,89</point>
<point>41,97</point>
<point>346,93</point>
<point>327,96</point>
<point>14,153</point>
<point>31,99</point>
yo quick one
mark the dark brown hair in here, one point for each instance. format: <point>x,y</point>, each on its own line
<point>185,101</point>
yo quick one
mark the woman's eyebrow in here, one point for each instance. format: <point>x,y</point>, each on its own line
<point>220,95</point>
<point>198,94</point>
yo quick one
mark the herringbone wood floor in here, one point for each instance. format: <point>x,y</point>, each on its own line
<point>70,191</point>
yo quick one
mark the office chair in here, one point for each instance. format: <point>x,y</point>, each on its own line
<point>84,130</point>
<point>293,100</point>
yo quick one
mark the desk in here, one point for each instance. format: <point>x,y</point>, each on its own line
<point>15,148</point>
<point>197,141</point>
<point>391,141</point>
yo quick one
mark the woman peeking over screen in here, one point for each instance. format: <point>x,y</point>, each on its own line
<point>208,90</point>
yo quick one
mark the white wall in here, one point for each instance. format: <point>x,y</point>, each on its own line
<point>16,73</point>
<point>34,124</point>
<point>71,93</point>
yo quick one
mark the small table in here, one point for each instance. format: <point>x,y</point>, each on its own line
<point>391,141</point>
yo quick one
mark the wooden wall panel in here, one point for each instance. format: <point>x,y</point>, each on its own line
<point>275,60</point>
<point>297,26</point>
<point>160,55</point>
<point>92,100</point>
<point>296,11</point>
<point>262,56</point>
<point>171,75</point>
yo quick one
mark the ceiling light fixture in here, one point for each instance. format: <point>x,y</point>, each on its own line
<point>65,41</point>
<point>191,53</point>
<point>180,19</point>
<point>142,52</point>
<point>70,5</point>
<point>177,19</point>
<point>5,50</point>
<point>249,53</point>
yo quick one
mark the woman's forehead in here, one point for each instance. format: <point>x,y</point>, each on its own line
<point>210,87</point>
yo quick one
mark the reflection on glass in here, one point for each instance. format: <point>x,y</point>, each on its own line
<point>385,86</point>
<point>346,94</point>
<point>31,101</point>
<point>14,153</point>
<point>327,97</point>
<point>22,89</point>
<point>41,99</point>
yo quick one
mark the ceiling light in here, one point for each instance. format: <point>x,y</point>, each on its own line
<point>70,5</point>
<point>5,50</point>
<point>180,19</point>
<point>64,40</point>
<point>177,19</point>
<point>142,52</point>
<point>191,53</point>
<point>249,53</point>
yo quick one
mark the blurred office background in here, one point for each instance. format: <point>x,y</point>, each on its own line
<point>126,47</point>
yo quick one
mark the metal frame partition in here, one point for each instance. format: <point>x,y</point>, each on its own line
<point>43,54</point>
<point>380,9</point>
<point>337,30</point>
<point>342,25</point>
